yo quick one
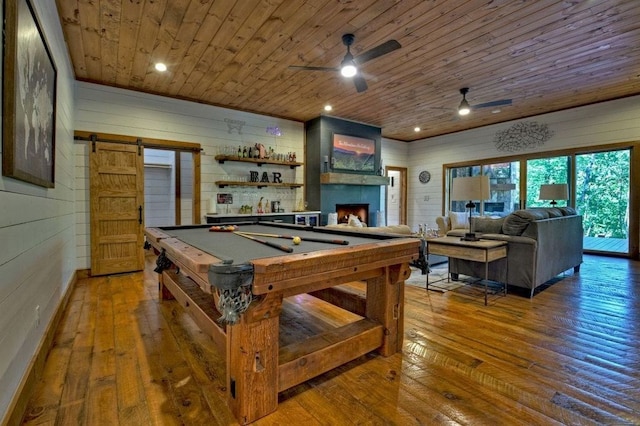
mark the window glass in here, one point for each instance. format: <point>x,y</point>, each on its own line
<point>504,179</point>
<point>602,198</point>
<point>459,206</point>
<point>541,171</point>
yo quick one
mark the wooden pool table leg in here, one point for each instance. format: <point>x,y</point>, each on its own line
<point>163,292</point>
<point>252,361</point>
<point>385,304</point>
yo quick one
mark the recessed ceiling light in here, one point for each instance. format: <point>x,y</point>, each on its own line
<point>161,67</point>
<point>416,129</point>
<point>328,107</point>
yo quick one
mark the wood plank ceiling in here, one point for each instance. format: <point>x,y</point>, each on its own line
<point>544,55</point>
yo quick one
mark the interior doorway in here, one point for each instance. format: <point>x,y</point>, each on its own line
<point>396,196</point>
<point>117,224</point>
<point>168,187</point>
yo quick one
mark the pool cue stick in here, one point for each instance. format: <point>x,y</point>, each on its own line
<point>266,243</point>
<point>290,237</point>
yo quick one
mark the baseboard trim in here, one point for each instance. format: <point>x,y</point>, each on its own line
<point>18,406</point>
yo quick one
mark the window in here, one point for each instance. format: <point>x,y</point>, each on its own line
<point>602,197</point>
<point>542,171</point>
<point>504,179</point>
<point>599,180</point>
<point>459,206</point>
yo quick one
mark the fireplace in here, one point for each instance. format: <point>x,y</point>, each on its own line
<point>361,211</point>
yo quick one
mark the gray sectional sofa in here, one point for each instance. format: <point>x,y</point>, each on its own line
<point>542,243</point>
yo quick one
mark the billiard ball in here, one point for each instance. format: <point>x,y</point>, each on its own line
<point>297,240</point>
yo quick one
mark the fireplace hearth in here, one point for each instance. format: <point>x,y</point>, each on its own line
<point>361,211</point>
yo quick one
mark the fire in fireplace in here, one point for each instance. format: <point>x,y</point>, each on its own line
<point>361,211</point>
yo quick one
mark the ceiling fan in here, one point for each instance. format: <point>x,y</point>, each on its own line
<point>465,108</point>
<point>349,65</point>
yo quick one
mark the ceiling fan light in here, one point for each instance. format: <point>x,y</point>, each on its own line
<point>348,69</point>
<point>464,108</point>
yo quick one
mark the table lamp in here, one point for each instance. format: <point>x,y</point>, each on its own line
<point>470,189</point>
<point>553,192</point>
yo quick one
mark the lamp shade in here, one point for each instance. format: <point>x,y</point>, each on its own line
<point>470,188</point>
<point>554,191</point>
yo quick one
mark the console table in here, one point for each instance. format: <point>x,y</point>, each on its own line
<point>485,251</point>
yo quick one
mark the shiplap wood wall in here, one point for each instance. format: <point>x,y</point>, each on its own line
<point>599,124</point>
<point>37,234</point>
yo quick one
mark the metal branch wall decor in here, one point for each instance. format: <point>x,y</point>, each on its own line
<point>234,125</point>
<point>523,135</point>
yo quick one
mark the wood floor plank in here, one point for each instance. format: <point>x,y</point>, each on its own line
<point>130,392</point>
<point>531,359</point>
<point>570,355</point>
<point>102,403</point>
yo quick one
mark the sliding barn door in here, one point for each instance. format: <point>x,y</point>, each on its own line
<point>116,201</point>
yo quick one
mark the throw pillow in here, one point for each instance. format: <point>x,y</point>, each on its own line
<point>458,220</point>
<point>354,221</point>
<point>487,225</point>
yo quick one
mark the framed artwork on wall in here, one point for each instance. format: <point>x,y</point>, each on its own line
<point>353,153</point>
<point>28,98</point>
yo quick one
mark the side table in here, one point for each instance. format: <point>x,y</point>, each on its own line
<point>485,251</point>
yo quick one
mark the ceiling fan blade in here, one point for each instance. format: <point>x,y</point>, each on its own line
<point>383,49</point>
<point>361,84</point>
<point>502,102</point>
<point>305,68</point>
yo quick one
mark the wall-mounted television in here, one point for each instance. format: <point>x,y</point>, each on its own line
<point>353,153</point>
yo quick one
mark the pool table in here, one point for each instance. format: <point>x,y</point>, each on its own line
<point>192,259</point>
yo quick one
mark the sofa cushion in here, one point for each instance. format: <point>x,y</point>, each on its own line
<point>458,220</point>
<point>517,222</point>
<point>568,211</point>
<point>487,225</point>
<point>554,212</point>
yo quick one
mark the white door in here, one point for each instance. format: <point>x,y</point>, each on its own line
<point>396,196</point>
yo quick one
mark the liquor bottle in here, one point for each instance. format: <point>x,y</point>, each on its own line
<point>250,152</point>
<point>244,152</point>
<point>239,151</point>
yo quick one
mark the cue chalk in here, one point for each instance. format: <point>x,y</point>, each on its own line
<point>266,243</point>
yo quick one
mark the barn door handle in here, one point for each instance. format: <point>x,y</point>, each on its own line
<point>140,215</point>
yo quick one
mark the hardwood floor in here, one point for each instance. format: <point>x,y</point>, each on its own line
<point>569,356</point>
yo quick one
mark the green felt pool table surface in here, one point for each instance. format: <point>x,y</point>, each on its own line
<point>233,248</point>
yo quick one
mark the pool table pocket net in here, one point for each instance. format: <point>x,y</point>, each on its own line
<point>233,283</point>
